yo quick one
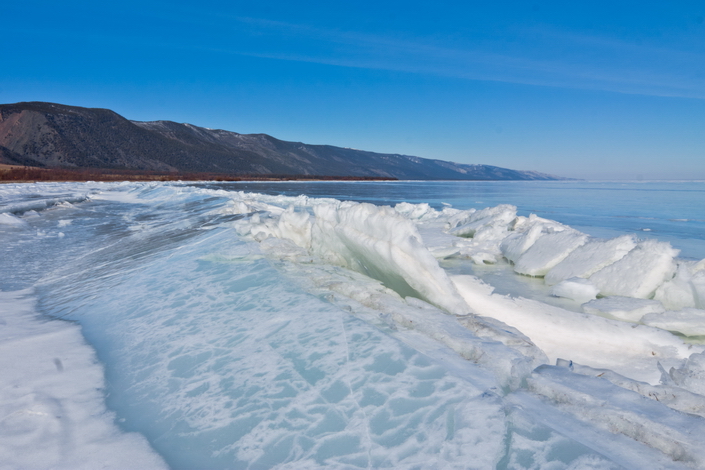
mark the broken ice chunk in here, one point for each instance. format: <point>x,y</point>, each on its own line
<point>589,258</point>
<point>640,272</point>
<point>624,308</point>
<point>689,321</point>
<point>548,251</point>
<point>575,288</point>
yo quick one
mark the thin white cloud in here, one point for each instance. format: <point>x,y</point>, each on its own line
<point>583,61</point>
<point>541,56</point>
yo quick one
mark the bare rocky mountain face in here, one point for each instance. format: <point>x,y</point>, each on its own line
<point>59,136</point>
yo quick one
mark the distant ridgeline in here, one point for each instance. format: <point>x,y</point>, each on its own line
<point>51,136</point>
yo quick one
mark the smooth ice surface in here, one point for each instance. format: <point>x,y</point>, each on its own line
<point>238,329</point>
<point>287,379</point>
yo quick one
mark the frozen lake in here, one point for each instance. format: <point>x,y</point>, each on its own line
<point>352,325</point>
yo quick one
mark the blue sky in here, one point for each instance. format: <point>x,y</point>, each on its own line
<point>596,90</point>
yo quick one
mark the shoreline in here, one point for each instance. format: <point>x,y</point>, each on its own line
<point>22,174</point>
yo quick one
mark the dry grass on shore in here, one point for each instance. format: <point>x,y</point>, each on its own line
<point>26,174</point>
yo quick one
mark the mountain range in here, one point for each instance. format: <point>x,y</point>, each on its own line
<point>50,135</point>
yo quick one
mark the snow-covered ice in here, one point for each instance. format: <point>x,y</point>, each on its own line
<point>689,321</point>
<point>623,308</point>
<point>52,409</point>
<point>242,330</point>
<point>639,273</point>
<point>548,251</point>
<point>589,258</point>
<point>576,288</point>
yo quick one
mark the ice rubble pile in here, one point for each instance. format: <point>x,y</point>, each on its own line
<point>398,246</point>
<point>381,264</point>
<point>620,270</point>
<point>636,282</point>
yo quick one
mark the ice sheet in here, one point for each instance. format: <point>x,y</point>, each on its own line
<point>263,375</point>
<point>226,356</point>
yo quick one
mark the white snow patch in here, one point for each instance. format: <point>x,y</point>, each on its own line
<point>52,411</point>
